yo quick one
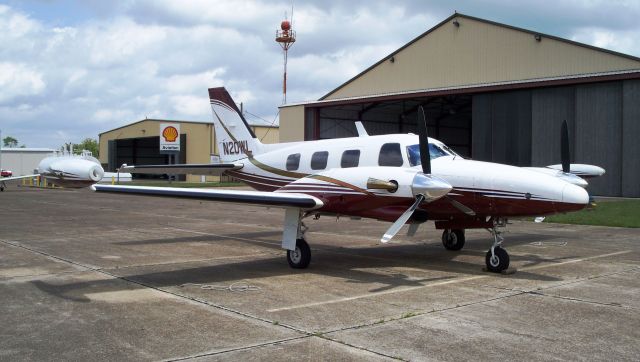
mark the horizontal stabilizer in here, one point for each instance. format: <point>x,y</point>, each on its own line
<point>262,198</point>
<point>207,169</point>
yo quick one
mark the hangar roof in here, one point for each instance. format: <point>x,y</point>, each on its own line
<point>478,52</point>
<point>177,121</point>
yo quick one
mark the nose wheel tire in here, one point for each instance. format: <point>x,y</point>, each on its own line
<point>453,239</point>
<point>497,261</point>
<point>301,256</point>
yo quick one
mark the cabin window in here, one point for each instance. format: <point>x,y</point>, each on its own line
<point>390,155</point>
<point>319,160</point>
<point>293,162</point>
<point>350,158</point>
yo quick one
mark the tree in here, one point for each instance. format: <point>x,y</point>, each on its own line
<point>10,141</point>
<point>88,144</point>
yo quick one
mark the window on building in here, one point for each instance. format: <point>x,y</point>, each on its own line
<point>293,162</point>
<point>350,158</point>
<point>319,160</point>
<point>390,155</point>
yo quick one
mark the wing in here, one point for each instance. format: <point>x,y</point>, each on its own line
<point>207,169</point>
<point>13,178</point>
<point>273,199</point>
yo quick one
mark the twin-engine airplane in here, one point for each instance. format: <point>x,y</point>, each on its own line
<point>70,171</point>
<point>402,178</point>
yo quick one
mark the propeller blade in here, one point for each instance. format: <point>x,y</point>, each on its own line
<point>425,159</point>
<point>460,206</point>
<point>393,230</point>
<point>564,147</point>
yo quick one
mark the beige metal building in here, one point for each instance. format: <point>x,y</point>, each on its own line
<point>494,92</point>
<point>23,161</point>
<point>138,143</point>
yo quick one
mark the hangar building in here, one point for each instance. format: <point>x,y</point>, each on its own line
<point>494,92</point>
<point>138,143</point>
<point>23,161</point>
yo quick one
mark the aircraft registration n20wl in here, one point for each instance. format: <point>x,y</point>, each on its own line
<point>399,178</point>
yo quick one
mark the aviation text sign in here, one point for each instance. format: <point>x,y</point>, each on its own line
<point>169,137</point>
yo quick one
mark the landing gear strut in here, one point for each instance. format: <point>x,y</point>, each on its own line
<point>453,239</point>
<point>497,259</point>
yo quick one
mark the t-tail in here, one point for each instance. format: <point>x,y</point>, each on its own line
<point>235,138</point>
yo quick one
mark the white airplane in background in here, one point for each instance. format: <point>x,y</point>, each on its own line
<point>70,171</point>
<point>402,178</point>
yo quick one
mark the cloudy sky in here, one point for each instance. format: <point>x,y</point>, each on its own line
<point>72,69</point>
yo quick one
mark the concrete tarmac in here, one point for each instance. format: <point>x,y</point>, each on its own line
<point>88,276</point>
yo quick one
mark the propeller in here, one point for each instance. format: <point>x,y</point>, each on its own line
<point>564,147</point>
<point>425,187</point>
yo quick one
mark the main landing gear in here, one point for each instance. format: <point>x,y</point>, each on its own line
<point>298,255</point>
<point>453,239</point>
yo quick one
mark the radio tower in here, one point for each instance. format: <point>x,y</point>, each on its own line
<point>286,36</point>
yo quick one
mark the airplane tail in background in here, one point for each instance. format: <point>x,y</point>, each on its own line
<point>234,137</point>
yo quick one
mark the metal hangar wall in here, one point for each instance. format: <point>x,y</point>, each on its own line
<point>494,92</point>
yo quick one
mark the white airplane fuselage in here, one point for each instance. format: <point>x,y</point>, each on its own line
<point>71,171</point>
<point>489,189</point>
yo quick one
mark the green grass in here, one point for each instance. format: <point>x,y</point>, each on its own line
<point>624,213</point>
<point>181,184</point>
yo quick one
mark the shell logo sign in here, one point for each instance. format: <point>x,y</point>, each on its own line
<point>170,134</point>
<point>169,137</point>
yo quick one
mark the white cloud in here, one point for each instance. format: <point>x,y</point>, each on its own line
<point>19,80</point>
<point>627,42</point>
<point>156,58</point>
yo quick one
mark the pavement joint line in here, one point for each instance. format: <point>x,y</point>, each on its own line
<point>536,293</point>
<point>242,348</point>
<point>452,281</point>
<point>423,313</point>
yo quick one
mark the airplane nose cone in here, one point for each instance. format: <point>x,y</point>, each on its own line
<point>430,186</point>
<point>573,194</point>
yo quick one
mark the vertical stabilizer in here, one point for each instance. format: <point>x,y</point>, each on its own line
<point>234,137</point>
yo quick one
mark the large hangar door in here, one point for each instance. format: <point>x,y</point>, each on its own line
<point>144,151</point>
<point>448,119</point>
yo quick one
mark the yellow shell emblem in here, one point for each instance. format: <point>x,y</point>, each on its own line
<point>170,134</point>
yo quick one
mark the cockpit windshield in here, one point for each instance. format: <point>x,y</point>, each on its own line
<point>435,151</point>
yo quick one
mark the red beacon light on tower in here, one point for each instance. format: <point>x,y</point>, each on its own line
<point>286,36</point>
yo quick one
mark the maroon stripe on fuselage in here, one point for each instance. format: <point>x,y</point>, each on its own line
<point>245,177</point>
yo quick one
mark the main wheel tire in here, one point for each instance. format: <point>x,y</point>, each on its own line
<point>453,239</point>
<point>301,256</point>
<point>498,262</point>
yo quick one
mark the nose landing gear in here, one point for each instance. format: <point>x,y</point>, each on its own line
<point>497,259</point>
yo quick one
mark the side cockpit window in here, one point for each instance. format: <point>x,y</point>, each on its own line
<point>293,162</point>
<point>390,155</point>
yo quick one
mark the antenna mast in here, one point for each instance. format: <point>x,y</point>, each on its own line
<point>286,36</point>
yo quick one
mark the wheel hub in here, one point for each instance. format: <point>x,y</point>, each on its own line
<point>494,261</point>
<point>296,255</point>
